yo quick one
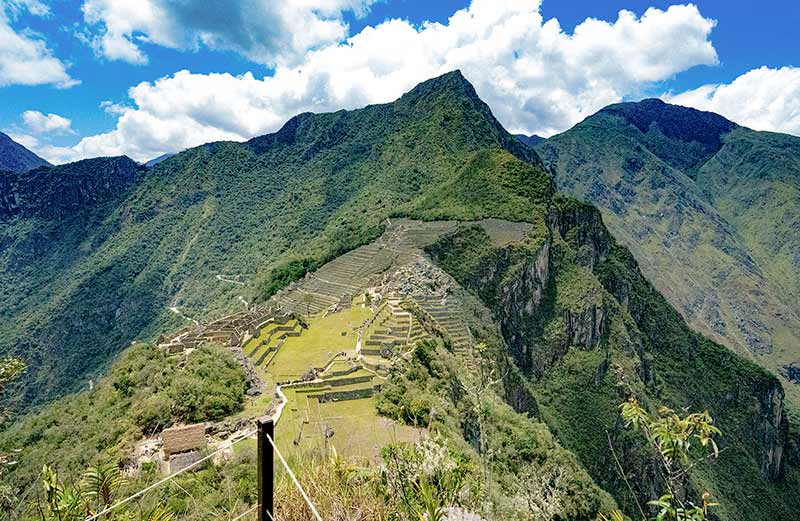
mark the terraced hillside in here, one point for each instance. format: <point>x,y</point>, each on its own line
<point>82,289</point>
<point>321,349</point>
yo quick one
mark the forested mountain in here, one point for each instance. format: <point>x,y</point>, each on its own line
<point>710,209</point>
<point>541,325</point>
<point>16,158</point>
<point>85,283</point>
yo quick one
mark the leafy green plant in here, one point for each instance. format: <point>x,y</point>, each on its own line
<point>97,491</point>
<point>680,442</point>
<point>427,477</point>
<point>10,369</point>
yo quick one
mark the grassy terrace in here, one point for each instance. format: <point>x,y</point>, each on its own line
<point>356,427</point>
<point>324,337</point>
<point>352,426</point>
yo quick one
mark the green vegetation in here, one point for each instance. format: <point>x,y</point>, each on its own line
<point>10,369</point>
<point>518,426</point>
<point>97,490</point>
<point>584,327</point>
<point>709,210</point>
<point>492,183</point>
<point>512,451</point>
<point>144,392</point>
<point>681,443</point>
<point>81,289</point>
<point>282,276</point>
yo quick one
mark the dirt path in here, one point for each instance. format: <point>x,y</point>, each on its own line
<point>177,311</point>
<point>222,278</point>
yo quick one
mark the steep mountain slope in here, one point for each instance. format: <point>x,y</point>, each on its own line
<point>586,330</point>
<point>57,280</point>
<point>568,321</point>
<point>16,158</point>
<point>98,253</point>
<point>319,186</point>
<point>159,159</point>
<point>709,209</point>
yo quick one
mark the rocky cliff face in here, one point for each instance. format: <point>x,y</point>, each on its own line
<point>772,428</point>
<point>55,192</point>
<point>583,225</point>
<point>586,330</point>
<point>709,210</point>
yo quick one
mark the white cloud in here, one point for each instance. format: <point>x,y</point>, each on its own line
<point>26,140</point>
<point>264,31</point>
<point>535,77</point>
<point>24,56</point>
<point>762,99</point>
<point>40,123</point>
<point>35,7</point>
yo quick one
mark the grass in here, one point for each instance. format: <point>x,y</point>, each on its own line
<point>316,345</point>
<point>357,428</point>
<point>250,347</point>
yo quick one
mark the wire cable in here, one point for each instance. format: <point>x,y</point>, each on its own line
<point>294,479</point>
<point>237,518</point>
<point>164,480</point>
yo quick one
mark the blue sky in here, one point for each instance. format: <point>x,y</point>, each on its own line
<point>67,67</point>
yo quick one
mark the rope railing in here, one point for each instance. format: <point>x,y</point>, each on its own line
<point>166,479</point>
<point>266,476</point>
<point>294,479</point>
<point>251,509</point>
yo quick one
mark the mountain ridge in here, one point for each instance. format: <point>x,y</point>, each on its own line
<point>193,216</point>
<point>562,312</point>
<point>16,158</point>
<point>675,198</point>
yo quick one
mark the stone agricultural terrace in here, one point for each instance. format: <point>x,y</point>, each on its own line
<point>321,348</point>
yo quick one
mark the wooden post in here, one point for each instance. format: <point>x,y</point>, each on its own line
<point>266,458</point>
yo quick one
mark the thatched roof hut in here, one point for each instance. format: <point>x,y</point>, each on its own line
<point>183,439</point>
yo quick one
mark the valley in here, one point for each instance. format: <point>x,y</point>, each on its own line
<point>399,283</point>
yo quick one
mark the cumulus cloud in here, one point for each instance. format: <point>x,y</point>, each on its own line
<point>536,77</point>
<point>24,56</point>
<point>40,123</point>
<point>264,31</point>
<point>762,99</point>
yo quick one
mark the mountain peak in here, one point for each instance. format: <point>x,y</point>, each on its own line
<point>674,121</point>
<point>452,82</point>
<point>446,108</point>
<point>16,158</point>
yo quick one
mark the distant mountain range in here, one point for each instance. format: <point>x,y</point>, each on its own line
<point>531,140</point>
<point>16,158</point>
<point>710,209</point>
<point>100,253</point>
<point>156,160</point>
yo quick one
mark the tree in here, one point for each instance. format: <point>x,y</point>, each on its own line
<point>681,442</point>
<point>96,492</point>
<point>10,369</point>
<point>544,490</point>
<point>424,478</point>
